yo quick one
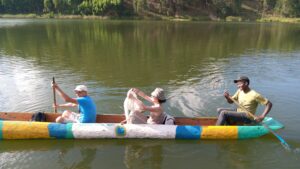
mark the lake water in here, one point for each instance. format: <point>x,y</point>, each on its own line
<point>193,61</point>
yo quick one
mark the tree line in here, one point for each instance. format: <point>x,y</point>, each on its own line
<point>84,7</point>
<point>173,8</point>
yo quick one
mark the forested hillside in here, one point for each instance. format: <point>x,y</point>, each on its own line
<point>157,9</point>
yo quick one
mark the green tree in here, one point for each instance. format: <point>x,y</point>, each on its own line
<point>85,8</point>
<point>268,5</point>
<point>74,6</point>
<point>48,6</point>
<point>226,7</point>
<point>138,5</point>
<point>288,8</point>
<point>21,6</point>
<point>98,7</point>
<point>61,6</point>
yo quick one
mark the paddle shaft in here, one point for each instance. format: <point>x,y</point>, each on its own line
<point>54,96</point>
<point>266,126</point>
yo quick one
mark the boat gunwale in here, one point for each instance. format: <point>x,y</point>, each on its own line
<point>106,118</point>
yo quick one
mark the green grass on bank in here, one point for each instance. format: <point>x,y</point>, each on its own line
<point>233,19</point>
<point>160,17</point>
<point>61,16</point>
<point>279,19</point>
<point>51,15</point>
<point>19,16</point>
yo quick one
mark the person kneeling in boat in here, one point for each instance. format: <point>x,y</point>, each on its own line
<point>86,106</point>
<point>248,99</point>
<point>157,112</point>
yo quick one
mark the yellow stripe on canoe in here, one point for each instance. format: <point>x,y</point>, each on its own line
<point>24,130</point>
<point>219,132</point>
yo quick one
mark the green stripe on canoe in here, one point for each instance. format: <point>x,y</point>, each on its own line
<point>245,132</point>
<point>69,130</point>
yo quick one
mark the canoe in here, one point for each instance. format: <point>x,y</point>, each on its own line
<point>17,125</point>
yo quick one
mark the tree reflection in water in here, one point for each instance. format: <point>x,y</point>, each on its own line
<point>143,156</point>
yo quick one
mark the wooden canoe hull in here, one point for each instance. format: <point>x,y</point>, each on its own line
<point>24,129</point>
<point>106,118</point>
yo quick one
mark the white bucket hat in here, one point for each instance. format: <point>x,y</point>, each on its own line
<point>159,94</point>
<point>81,88</point>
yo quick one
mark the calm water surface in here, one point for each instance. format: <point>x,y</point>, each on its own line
<point>194,62</point>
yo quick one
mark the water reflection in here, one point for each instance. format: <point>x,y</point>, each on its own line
<point>50,154</point>
<point>83,159</point>
<point>175,50</point>
<point>233,156</point>
<point>143,156</point>
<point>23,82</point>
<point>13,22</point>
<point>194,94</point>
<point>194,62</point>
<point>259,153</point>
<point>252,154</point>
<point>112,56</point>
<point>82,154</point>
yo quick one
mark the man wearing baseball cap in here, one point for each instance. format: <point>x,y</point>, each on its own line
<point>247,99</point>
<point>86,106</point>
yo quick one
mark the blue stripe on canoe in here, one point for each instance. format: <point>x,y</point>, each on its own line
<point>188,132</point>
<point>60,131</point>
<point>1,127</point>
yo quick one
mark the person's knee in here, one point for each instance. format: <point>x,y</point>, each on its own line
<point>221,118</point>
<point>222,113</point>
<point>220,110</point>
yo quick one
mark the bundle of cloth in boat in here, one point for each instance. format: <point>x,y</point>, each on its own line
<point>133,109</point>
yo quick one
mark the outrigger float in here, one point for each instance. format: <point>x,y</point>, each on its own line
<point>17,125</point>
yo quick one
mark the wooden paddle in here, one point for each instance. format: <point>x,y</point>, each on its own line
<point>284,143</point>
<point>54,96</point>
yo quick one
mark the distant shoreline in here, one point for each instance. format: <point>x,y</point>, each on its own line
<point>228,19</point>
<point>49,16</point>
